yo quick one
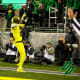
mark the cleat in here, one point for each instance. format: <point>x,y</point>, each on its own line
<point>20,70</point>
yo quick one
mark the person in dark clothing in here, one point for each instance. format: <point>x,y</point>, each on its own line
<point>61,52</point>
<point>25,31</point>
<point>22,10</point>
<point>9,15</point>
<point>75,24</point>
<point>39,55</point>
<point>40,14</point>
<point>30,9</point>
<point>70,37</point>
<point>70,52</point>
<point>11,52</point>
<point>29,52</point>
<point>60,11</point>
<point>70,41</point>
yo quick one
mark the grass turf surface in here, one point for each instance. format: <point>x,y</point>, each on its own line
<point>36,76</point>
<point>36,66</point>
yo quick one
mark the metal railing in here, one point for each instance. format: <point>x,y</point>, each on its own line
<point>2,14</point>
<point>45,29</point>
<point>54,12</point>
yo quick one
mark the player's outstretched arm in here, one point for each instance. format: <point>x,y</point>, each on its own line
<point>73,16</point>
<point>75,22</point>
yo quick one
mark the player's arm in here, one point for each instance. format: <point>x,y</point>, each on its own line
<point>21,21</point>
<point>21,25</point>
<point>73,16</point>
<point>23,18</point>
<point>75,23</point>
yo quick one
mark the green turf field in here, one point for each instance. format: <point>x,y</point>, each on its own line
<point>36,76</point>
<point>36,66</point>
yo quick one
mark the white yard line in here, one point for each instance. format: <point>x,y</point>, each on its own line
<point>40,71</point>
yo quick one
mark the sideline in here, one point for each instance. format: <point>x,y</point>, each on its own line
<point>40,71</point>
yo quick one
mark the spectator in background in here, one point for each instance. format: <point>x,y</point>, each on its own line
<point>30,9</point>
<point>9,15</point>
<point>22,10</point>
<point>60,11</point>
<point>11,52</point>
<point>29,52</point>
<point>36,4</point>
<point>40,14</point>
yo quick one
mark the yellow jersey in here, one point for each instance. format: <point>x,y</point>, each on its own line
<point>16,31</point>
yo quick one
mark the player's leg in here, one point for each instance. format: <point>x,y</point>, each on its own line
<point>22,53</point>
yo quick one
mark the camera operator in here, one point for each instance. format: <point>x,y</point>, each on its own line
<point>49,53</point>
<point>29,51</point>
<point>71,42</point>
<point>61,51</point>
<point>70,37</point>
<point>11,52</point>
<point>46,54</point>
